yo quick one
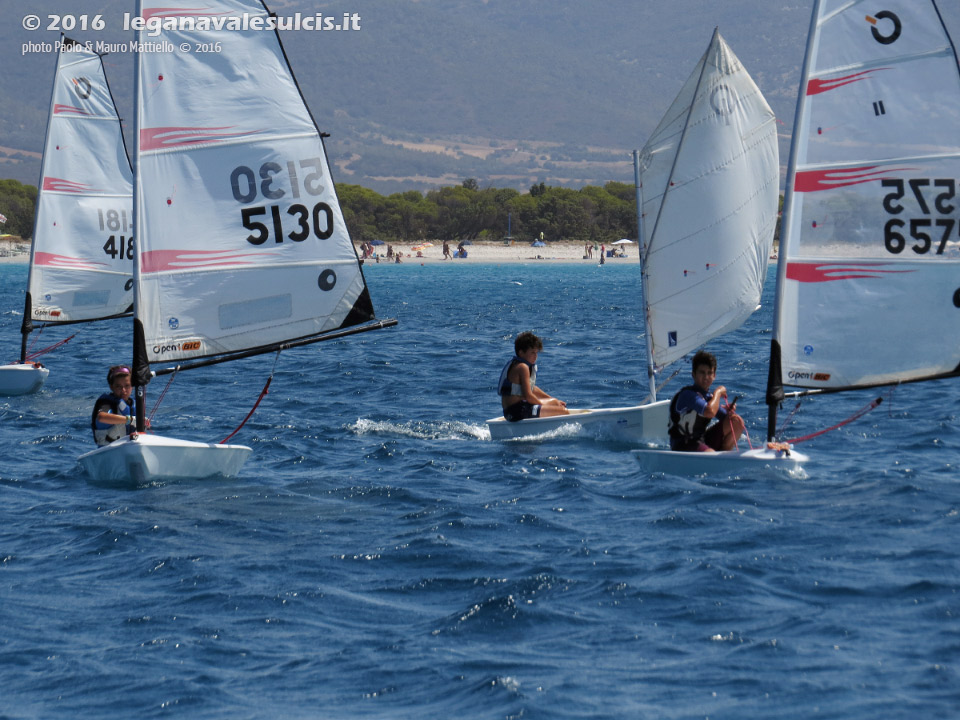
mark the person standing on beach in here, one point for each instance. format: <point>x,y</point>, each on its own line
<point>446,251</point>
<point>519,394</point>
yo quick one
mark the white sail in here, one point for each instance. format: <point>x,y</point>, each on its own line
<point>710,182</point>
<point>80,259</point>
<point>869,275</point>
<point>241,242</point>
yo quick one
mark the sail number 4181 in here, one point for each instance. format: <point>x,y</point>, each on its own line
<point>920,228</point>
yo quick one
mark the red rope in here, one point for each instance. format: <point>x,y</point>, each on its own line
<point>45,350</point>
<point>164,392</point>
<point>860,413</point>
<point>263,394</point>
<point>733,431</point>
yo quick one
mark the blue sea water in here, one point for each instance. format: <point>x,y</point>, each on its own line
<point>380,557</point>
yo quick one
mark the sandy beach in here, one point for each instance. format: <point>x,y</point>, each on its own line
<point>478,252</point>
<point>498,253</point>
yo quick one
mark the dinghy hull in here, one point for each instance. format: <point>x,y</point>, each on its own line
<point>640,423</point>
<point>727,462</point>
<point>143,458</point>
<point>21,378</point>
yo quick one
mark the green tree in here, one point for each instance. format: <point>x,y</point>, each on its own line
<point>18,203</point>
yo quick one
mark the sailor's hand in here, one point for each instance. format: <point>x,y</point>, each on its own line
<point>721,391</point>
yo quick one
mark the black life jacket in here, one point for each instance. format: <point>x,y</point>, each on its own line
<point>689,428</point>
<point>505,387</point>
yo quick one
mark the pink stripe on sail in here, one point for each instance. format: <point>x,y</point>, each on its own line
<point>60,185</point>
<point>827,272</point>
<point>59,109</point>
<point>65,261</point>
<point>160,260</point>
<point>168,137</point>
<point>815,180</point>
<point>822,85</point>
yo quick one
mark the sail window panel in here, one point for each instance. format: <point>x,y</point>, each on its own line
<point>255,311</point>
<point>91,298</point>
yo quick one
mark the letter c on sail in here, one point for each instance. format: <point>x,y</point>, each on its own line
<point>723,100</point>
<point>956,298</point>
<point>82,87</point>
<point>897,28</point>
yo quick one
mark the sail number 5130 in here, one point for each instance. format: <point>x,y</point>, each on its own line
<point>273,181</point>
<point>920,228</point>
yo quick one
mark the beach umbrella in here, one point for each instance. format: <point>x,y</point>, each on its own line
<point>421,246</point>
<point>538,243</point>
<point>376,242</point>
<point>623,242</point>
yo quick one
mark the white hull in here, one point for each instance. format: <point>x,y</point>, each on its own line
<point>144,458</point>
<point>731,461</point>
<point>21,378</point>
<point>640,423</point>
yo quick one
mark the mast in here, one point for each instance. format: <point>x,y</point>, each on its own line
<point>774,375</point>
<point>648,340</point>
<point>140,366</point>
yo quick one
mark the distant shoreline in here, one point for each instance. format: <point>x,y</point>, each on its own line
<point>477,252</point>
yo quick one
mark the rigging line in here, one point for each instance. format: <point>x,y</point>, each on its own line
<point>263,394</point>
<point>789,418</point>
<point>672,376</point>
<point>44,351</point>
<point>163,392</point>
<point>860,413</point>
<point>37,337</point>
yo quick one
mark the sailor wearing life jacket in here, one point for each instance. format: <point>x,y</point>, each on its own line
<point>519,394</point>
<point>114,413</point>
<point>694,407</point>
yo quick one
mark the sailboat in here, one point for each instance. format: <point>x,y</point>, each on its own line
<point>241,244</point>
<point>867,283</point>
<point>867,276</point>
<point>707,193</point>
<point>80,268</point>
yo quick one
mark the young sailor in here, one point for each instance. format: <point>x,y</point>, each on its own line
<point>519,394</point>
<point>694,407</point>
<point>115,413</point>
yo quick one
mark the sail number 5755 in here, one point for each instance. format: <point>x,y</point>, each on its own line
<point>919,229</point>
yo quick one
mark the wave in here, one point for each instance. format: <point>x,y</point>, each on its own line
<point>420,430</point>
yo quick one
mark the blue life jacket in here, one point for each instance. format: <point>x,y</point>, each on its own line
<point>104,433</point>
<point>505,387</point>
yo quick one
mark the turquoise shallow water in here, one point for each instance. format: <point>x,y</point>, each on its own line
<point>380,557</point>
